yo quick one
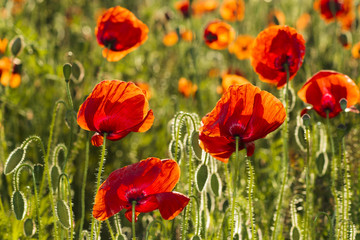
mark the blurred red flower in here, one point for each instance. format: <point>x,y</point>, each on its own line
<point>325,89</point>
<point>244,111</point>
<point>120,32</point>
<point>273,48</point>
<point>186,87</point>
<point>116,108</point>
<point>10,72</point>
<point>149,182</point>
<point>331,9</point>
<point>184,7</point>
<point>218,35</point>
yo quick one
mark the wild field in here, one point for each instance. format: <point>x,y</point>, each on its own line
<point>177,119</point>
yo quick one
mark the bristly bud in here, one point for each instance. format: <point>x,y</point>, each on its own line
<point>54,175</point>
<point>29,227</point>
<point>14,160</point>
<point>306,120</point>
<point>343,104</point>
<point>18,205</point>
<point>63,213</point>
<point>16,45</point>
<point>67,71</point>
<point>215,184</point>
<point>202,175</point>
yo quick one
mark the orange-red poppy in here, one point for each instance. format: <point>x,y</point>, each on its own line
<point>303,21</point>
<point>186,87</point>
<point>331,9</point>
<point>200,7</point>
<point>149,182</point>
<point>232,10</point>
<point>120,32</point>
<point>170,39</point>
<point>355,50</point>
<point>273,48</point>
<point>276,17</point>
<point>187,35</point>
<point>10,72</point>
<point>241,47</point>
<point>243,111</point>
<point>218,35</point>
<point>229,80</point>
<point>3,45</point>
<point>115,108</point>
<point>184,7</point>
<point>325,89</point>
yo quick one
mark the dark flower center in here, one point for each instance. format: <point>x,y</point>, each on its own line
<point>210,37</point>
<point>281,60</point>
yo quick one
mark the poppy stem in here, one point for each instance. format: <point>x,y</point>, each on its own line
<point>307,227</point>
<point>250,196</point>
<point>102,160</point>
<point>334,170</point>
<point>84,184</point>
<point>285,137</point>
<point>133,220</point>
<point>232,220</point>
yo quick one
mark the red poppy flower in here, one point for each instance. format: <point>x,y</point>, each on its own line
<point>325,89</point>
<point>120,32</point>
<point>244,111</point>
<point>116,108</point>
<point>274,47</point>
<point>233,10</point>
<point>184,7</point>
<point>10,72</point>
<point>149,183</point>
<point>218,35</point>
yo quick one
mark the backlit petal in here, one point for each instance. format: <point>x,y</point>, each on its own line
<point>171,204</point>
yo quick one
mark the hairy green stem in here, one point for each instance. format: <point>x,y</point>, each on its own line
<point>102,160</point>
<point>110,229</point>
<point>84,185</point>
<point>250,196</point>
<point>285,137</point>
<point>232,219</point>
<point>307,227</point>
<point>133,203</point>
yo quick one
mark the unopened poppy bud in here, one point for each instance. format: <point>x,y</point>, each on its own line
<point>345,40</point>
<point>67,71</point>
<point>16,46</point>
<point>306,120</point>
<point>343,104</point>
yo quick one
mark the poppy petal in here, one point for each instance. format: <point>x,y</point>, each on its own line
<point>171,204</point>
<point>97,140</point>
<point>167,178</point>
<point>128,215</point>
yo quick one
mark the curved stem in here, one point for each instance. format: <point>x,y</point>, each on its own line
<point>63,175</point>
<point>102,160</point>
<point>232,220</point>
<point>133,203</point>
<point>84,185</point>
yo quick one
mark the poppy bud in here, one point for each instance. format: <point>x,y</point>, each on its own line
<point>67,71</point>
<point>343,104</point>
<point>16,45</point>
<point>306,120</point>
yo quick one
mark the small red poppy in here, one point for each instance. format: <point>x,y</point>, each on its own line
<point>244,111</point>
<point>331,9</point>
<point>218,35</point>
<point>325,89</point>
<point>120,32</point>
<point>149,182</point>
<point>274,47</point>
<point>116,108</point>
<point>184,7</point>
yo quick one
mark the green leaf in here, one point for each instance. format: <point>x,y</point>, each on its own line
<point>63,213</point>
<point>18,204</point>
<point>14,160</point>
<point>202,174</point>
